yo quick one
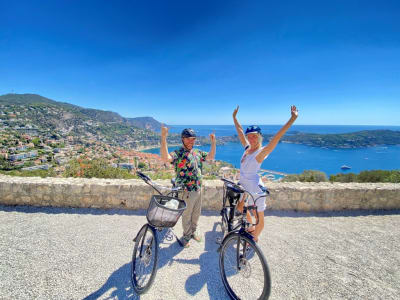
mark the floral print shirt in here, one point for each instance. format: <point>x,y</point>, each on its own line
<point>188,167</point>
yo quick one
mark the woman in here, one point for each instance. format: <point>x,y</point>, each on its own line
<point>253,156</point>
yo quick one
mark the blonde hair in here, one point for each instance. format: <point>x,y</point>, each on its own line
<point>260,139</point>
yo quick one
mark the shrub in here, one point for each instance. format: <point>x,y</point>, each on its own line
<point>379,176</point>
<point>307,176</point>
<point>343,177</point>
<point>33,173</point>
<point>142,165</point>
<point>161,175</point>
<point>96,168</point>
<point>368,176</point>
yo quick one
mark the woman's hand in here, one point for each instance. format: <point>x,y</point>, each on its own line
<point>294,111</point>
<point>235,112</point>
<point>164,131</point>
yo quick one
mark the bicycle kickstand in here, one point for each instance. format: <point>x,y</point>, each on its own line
<point>171,231</point>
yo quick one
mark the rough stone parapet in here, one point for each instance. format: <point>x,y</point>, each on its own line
<point>135,194</point>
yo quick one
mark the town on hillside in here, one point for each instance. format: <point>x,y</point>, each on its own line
<point>48,138</point>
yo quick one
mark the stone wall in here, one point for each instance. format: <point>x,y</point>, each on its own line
<point>135,194</point>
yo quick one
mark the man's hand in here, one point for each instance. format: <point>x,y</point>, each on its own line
<point>294,111</point>
<point>212,138</point>
<point>164,131</point>
<point>235,112</point>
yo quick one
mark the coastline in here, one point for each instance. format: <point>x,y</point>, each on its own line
<point>143,148</point>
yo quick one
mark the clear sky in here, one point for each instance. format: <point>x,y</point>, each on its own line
<point>193,61</point>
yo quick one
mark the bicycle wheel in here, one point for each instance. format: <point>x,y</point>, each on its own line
<point>244,269</point>
<point>224,222</point>
<point>144,259</point>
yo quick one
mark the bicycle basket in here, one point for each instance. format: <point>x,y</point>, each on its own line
<point>160,215</point>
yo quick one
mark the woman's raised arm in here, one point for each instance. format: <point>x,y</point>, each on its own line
<point>274,141</point>
<point>239,129</point>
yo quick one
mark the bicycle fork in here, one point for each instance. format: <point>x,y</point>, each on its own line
<point>142,241</point>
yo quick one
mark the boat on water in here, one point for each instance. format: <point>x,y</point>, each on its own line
<point>344,167</point>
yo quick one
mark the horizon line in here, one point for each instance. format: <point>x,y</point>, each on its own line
<point>281,125</point>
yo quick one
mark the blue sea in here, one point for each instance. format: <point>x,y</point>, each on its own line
<point>293,158</point>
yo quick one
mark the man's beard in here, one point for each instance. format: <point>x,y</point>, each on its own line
<point>186,147</point>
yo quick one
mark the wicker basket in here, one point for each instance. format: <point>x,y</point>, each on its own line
<point>159,215</point>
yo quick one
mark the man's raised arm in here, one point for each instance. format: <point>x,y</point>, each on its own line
<point>211,154</point>
<point>164,148</point>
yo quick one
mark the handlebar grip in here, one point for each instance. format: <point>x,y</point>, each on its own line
<point>143,176</point>
<point>233,184</point>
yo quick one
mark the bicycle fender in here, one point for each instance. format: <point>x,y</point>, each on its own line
<point>143,228</point>
<point>241,232</point>
<point>248,235</point>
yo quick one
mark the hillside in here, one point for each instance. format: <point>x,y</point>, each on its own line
<point>366,138</point>
<point>146,123</point>
<point>37,115</point>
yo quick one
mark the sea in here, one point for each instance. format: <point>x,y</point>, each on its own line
<point>293,158</point>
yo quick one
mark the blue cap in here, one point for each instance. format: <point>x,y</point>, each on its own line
<point>253,129</point>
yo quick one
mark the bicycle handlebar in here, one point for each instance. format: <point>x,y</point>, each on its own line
<point>144,177</point>
<point>235,185</point>
<point>156,186</point>
<point>264,191</point>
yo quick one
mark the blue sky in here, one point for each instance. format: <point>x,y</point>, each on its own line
<point>192,62</point>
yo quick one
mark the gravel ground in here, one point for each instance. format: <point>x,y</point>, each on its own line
<point>65,253</point>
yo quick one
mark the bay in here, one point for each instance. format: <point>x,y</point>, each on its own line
<point>294,158</point>
<point>228,130</point>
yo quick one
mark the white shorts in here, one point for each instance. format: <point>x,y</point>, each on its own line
<point>253,188</point>
<point>260,202</point>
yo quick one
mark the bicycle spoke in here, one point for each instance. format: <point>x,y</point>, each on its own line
<point>144,261</point>
<point>246,274</point>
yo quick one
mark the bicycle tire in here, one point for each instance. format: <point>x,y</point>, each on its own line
<point>144,258</point>
<point>236,268</point>
<point>224,224</point>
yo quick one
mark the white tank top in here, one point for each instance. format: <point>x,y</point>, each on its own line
<point>249,167</point>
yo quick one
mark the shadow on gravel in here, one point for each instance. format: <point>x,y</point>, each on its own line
<point>209,268</point>
<point>120,280</point>
<point>344,213</point>
<point>209,213</point>
<point>71,210</point>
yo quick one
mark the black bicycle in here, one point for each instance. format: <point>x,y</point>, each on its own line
<point>163,212</point>
<point>243,267</point>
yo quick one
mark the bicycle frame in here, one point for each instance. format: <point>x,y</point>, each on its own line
<point>243,224</point>
<point>174,192</point>
<point>240,243</point>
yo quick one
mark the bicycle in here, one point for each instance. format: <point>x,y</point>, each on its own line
<point>163,212</point>
<point>240,258</point>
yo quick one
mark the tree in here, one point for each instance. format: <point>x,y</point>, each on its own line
<point>36,141</point>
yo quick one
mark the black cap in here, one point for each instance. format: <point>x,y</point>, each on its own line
<point>188,132</point>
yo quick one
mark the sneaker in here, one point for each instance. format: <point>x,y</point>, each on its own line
<point>197,237</point>
<point>185,242</point>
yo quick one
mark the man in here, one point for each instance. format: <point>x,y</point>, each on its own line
<point>188,167</point>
